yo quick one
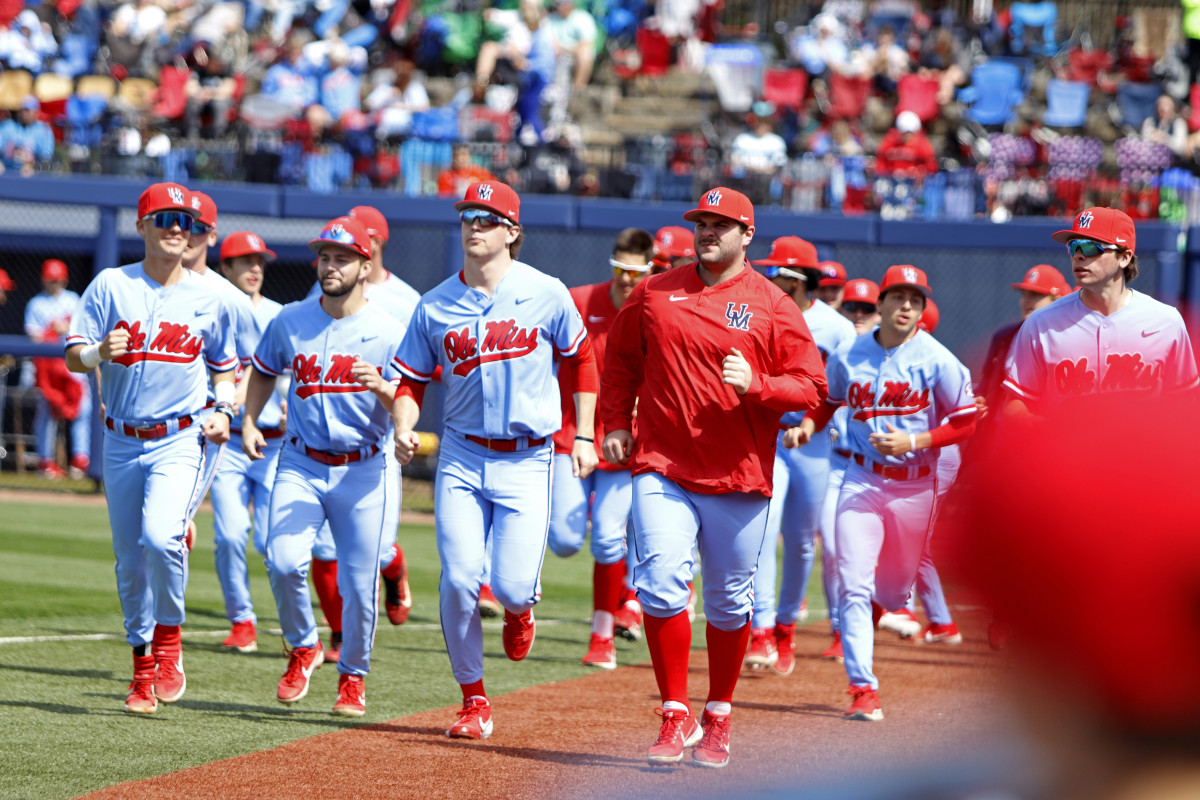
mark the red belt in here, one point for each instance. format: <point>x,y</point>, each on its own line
<point>503,445</point>
<point>267,433</point>
<point>149,431</point>
<point>842,453</point>
<point>337,459</point>
<point>894,473</point>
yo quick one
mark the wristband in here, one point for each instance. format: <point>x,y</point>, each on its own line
<point>912,442</point>
<point>585,439</point>
<point>89,356</point>
<point>223,392</point>
<point>226,409</point>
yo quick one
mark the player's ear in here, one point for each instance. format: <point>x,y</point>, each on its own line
<point>747,236</point>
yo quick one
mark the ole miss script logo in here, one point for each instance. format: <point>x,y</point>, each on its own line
<point>897,399</point>
<point>1123,372</point>
<point>173,343</point>
<point>503,340</point>
<point>312,378</point>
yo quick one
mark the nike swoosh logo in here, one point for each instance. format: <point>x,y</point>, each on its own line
<point>520,300</point>
<point>201,313</point>
<point>596,319</point>
<point>372,336</point>
<point>675,299</point>
<point>1148,333</point>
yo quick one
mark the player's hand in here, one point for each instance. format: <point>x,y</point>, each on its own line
<point>892,443</point>
<point>735,371</point>
<point>407,442</point>
<point>115,344</point>
<point>216,428</point>
<point>283,415</point>
<point>981,407</point>
<point>617,447</point>
<point>583,459</point>
<point>368,375</point>
<point>797,436</point>
<point>253,442</point>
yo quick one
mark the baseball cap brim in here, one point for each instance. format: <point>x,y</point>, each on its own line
<point>924,290</point>
<point>1046,290</point>
<point>695,214</point>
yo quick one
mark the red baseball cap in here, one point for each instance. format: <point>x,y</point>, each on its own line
<point>1107,225</point>
<point>6,283</point>
<point>1044,279</point>
<point>245,243</point>
<point>790,251</point>
<point>726,203</point>
<point>346,232</point>
<point>373,220</point>
<point>54,270</point>
<point>905,275</point>
<point>674,241</point>
<point>861,290</point>
<point>205,208</point>
<point>165,197</point>
<point>835,273</point>
<point>494,196</point>
<point>929,317</point>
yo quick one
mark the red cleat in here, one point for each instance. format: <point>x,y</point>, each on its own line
<point>785,648</point>
<point>352,697</point>
<point>601,652</point>
<point>679,731</point>
<point>397,596</point>
<point>141,699</point>
<point>243,638</point>
<point>713,749</point>
<point>628,619</point>
<point>761,652</point>
<point>866,704</point>
<point>489,606</point>
<point>167,648</point>
<point>302,663</point>
<point>474,721</point>
<point>333,653</point>
<point>518,634</point>
<point>834,653</point>
<point>940,634</point>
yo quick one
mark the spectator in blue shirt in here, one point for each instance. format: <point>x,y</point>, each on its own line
<point>341,86</point>
<point>291,81</point>
<point>26,142</point>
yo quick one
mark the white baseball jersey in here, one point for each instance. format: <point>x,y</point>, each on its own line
<point>1066,350</point>
<point>45,309</point>
<point>394,296</point>
<point>831,331</point>
<point>177,333</point>
<point>913,387</point>
<point>328,409</point>
<point>496,353</point>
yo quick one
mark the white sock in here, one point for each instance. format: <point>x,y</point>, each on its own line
<point>671,705</point>
<point>719,709</point>
<point>602,623</point>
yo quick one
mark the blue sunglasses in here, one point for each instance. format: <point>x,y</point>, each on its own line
<point>1088,247</point>
<point>341,236</point>
<point>485,218</point>
<point>201,229</point>
<point>169,219</point>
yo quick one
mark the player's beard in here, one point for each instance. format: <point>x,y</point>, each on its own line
<point>340,291</point>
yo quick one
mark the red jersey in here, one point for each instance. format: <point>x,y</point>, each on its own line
<point>665,351</point>
<point>595,305</point>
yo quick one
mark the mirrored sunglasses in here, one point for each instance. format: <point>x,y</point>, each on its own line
<point>485,218</point>
<point>632,270</point>
<point>856,307</point>
<point>770,271</point>
<point>1088,247</point>
<point>339,235</point>
<point>169,219</point>
<point>200,229</point>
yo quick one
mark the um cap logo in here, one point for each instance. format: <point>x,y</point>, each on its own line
<point>1032,276</point>
<point>253,241</point>
<point>484,192</point>
<point>713,198</point>
<point>177,196</point>
<point>861,290</point>
<point>910,275</point>
<point>1085,220</point>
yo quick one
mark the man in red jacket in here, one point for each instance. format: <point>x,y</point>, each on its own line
<point>713,353</point>
<point>905,151</point>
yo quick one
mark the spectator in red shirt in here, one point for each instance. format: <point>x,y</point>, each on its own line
<point>454,180</point>
<point>905,151</point>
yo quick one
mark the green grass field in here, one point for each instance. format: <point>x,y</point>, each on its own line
<point>64,664</point>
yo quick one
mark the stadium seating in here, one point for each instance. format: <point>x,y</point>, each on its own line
<point>994,91</point>
<point>1066,103</point>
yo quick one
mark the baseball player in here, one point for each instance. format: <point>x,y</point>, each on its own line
<point>157,332</point>
<point>1104,338</point>
<point>898,383</point>
<point>801,475</point>
<point>611,485</point>
<point>399,300</point>
<point>494,329</point>
<point>238,481</point>
<point>832,287</point>
<point>713,354</point>
<point>47,319</point>
<point>673,246</point>
<point>330,468</point>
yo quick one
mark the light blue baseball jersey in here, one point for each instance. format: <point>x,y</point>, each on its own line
<point>240,310</point>
<point>496,353</point>
<point>45,309</point>
<point>830,331</point>
<point>394,296</point>
<point>913,387</point>
<point>177,333</point>
<point>272,412</point>
<point>327,408</point>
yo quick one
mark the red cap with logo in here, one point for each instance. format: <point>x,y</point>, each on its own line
<point>205,208</point>
<point>1107,225</point>
<point>790,251</point>
<point>1044,279</point>
<point>6,283</point>
<point>905,275</point>
<point>674,241</point>
<point>494,196</point>
<point>861,290</point>
<point>165,197</point>
<point>835,273</point>
<point>929,317</point>
<point>54,270</point>
<point>347,232</point>
<point>245,243</point>
<point>373,220</point>
<point>726,203</point>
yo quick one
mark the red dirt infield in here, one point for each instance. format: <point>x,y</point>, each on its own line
<point>587,737</point>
